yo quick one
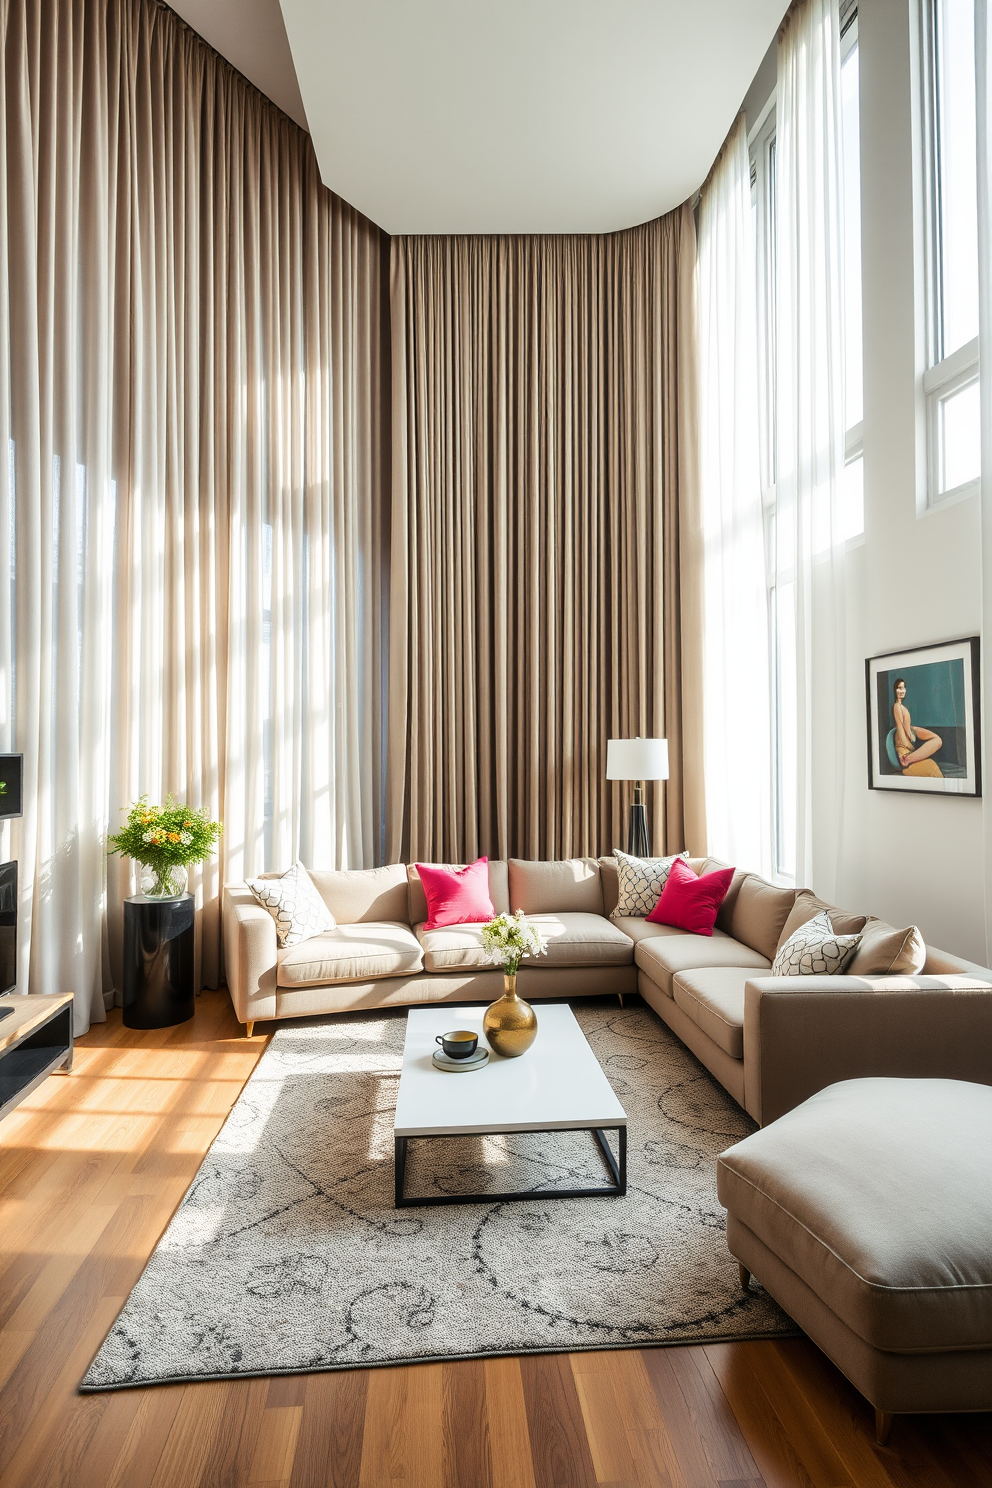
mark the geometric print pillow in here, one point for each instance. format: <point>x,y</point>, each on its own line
<point>815,949</point>
<point>641,881</point>
<point>295,904</point>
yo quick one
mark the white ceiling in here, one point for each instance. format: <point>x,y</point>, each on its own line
<point>480,116</point>
<point>251,35</point>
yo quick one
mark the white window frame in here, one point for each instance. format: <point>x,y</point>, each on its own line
<point>943,376</point>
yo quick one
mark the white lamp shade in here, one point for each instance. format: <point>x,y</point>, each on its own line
<point>637,759</point>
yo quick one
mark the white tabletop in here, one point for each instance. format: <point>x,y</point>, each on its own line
<point>556,1086</point>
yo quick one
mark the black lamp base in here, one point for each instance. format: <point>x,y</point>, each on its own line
<point>637,841</point>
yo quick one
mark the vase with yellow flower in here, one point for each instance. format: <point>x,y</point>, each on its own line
<point>165,840</point>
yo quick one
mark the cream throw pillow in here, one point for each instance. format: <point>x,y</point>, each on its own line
<point>640,882</point>
<point>885,951</point>
<point>815,949</point>
<point>295,904</point>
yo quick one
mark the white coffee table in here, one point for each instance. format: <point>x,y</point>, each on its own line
<point>556,1086</point>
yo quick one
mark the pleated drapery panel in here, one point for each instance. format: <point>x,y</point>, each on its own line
<point>534,581</point>
<point>194,475</point>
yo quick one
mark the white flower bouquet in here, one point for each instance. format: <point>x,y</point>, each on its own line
<point>507,939</point>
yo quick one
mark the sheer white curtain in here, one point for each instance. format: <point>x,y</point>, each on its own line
<point>983,69</point>
<point>809,528</point>
<point>190,480</point>
<point>736,713</point>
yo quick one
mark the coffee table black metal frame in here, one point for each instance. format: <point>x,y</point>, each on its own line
<point>615,1190</point>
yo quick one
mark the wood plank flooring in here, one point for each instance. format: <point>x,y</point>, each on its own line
<point>92,1167</point>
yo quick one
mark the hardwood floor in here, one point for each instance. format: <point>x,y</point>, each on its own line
<point>91,1169</point>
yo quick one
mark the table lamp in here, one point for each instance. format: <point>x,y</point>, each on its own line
<point>637,760</point>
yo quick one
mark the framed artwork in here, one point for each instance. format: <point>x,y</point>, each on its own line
<point>923,720</point>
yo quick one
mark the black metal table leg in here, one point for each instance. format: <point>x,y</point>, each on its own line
<point>615,1190</point>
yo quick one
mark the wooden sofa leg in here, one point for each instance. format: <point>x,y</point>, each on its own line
<point>620,995</point>
<point>745,1277</point>
<point>249,1029</point>
<point>883,1425</point>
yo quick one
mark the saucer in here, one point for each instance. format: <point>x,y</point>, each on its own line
<point>458,1066</point>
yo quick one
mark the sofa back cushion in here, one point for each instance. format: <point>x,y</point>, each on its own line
<point>808,906</point>
<point>886,951</point>
<point>356,894</point>
<point>725,914</point>
<point>569,886</point>
<point>417,899</point>
<point>759,913</point>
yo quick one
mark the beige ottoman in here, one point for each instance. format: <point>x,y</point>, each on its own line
<point>866,1212</point>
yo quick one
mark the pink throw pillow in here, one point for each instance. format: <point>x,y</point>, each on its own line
<point>691,903</point>
<point>456,896</point>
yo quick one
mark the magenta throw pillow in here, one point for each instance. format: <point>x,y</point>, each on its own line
<point>691,903</point>
<point>456,896</point>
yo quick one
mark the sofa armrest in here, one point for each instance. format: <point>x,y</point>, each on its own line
<point>250,954</point>
<point>802,1034</point>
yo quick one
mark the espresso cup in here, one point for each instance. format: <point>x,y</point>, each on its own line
<point>459,1045</point>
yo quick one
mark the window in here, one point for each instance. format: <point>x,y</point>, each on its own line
<point>950,382</point>
<point>781,579</point>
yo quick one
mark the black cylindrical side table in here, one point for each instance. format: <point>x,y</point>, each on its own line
<point>158,961</point>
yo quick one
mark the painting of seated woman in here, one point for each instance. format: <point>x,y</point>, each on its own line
<point>923,720</point>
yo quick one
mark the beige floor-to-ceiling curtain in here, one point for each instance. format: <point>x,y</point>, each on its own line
<point>535,602</point>
<point>191,475</point>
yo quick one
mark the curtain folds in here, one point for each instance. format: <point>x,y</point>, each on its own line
<point>736,708</point>
<point>809,564</point>
<point>192,482</point>
<point>534,591</point>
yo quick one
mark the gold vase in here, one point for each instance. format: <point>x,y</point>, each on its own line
<point>510,1024</point>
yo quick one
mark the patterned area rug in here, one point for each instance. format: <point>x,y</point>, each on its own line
<point>287,1254</point>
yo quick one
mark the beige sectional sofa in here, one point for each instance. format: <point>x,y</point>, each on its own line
<point>770,1041</point>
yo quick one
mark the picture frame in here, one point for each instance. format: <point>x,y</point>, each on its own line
<point>923,708</point>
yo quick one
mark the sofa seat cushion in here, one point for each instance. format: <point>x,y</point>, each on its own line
<point>351,953</point>
<point>713,997</point>
<point>639,928</point>
<point>878,1194</point>
<point>453,948</point>
<point>662,958</point>
<point>576,939</point>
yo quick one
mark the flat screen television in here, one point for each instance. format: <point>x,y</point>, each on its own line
<point>8,927</point>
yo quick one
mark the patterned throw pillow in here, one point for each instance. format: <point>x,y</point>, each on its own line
<point>295,904</point>
<point>641,881</point>
<point>815,949</point>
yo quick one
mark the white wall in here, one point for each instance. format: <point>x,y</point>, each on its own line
<point>916,578</point>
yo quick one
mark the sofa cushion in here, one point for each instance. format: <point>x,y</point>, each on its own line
<point>580,940</point>
<point>759,913</point>
<point>359,894</point>
<point>713,997</point>
<point>890,1223</point>
<point>807,906</point>
<point>295,903</point>
<point>457,896</point>
<point>690,901</point>
<point>351,953</point>
<point>815,949</point>
<point>572,884</point>
<point>663,957</point>
<point>639,928</point>
<point>454,948</point>
<point>417,899</point>
<point>885,951</point>
<point>641,881</point>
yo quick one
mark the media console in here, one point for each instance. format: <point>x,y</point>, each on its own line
<point>35,1041</point>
